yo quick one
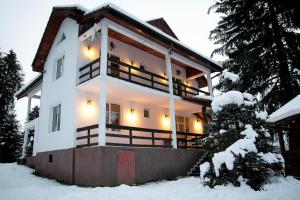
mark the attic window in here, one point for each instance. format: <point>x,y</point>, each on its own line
<point>63,37</point>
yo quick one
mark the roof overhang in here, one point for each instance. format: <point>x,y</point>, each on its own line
<point>87,19</point>
<point>31,86</point>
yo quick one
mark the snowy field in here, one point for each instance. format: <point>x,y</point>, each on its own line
<point>17,182</point>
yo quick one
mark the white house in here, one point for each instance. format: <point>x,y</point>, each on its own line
<point>108,78</point>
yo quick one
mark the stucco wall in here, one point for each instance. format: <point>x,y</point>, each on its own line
<point>59,91</point>
<point>129,54</point>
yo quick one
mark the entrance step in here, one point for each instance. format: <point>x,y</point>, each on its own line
<point>195,171</point>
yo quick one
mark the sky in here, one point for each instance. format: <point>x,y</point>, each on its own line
<point>23,23</point>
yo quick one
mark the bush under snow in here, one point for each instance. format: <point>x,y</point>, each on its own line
<point>237,134</point>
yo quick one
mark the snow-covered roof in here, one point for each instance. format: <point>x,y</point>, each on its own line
<point>117,8</point>
<point>22,91</point>
<point>288,110</point>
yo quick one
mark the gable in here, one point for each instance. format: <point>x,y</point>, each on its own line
<point>161,24</point>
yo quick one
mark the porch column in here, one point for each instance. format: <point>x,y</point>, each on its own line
<point>209,84</point>
<point>102,84</point>
<point>35,138</point>
<point>171,104</point>
<point>281,141</point>
<point>24,143</point>
<point>28,108</point>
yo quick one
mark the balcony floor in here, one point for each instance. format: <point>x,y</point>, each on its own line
<point>132,92</point>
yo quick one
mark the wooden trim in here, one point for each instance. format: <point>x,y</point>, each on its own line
<point>190,140</point>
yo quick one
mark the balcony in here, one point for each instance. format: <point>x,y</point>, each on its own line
<point>136,75</point>
<point>119,135</point>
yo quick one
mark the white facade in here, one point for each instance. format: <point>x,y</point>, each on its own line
<point>83,104</point>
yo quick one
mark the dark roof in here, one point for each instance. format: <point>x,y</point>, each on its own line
<point>88,20</point>
<point>161,24</point>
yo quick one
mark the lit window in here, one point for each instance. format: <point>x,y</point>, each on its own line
<point>59,67</point>
<point>56,116</point>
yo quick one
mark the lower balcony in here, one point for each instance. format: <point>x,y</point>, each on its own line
<point>119,135</point>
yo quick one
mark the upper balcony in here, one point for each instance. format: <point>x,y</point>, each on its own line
<point>138,75</point>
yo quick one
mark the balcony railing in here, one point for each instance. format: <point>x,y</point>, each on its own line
<point>126,72</point>
<point>89,71</point>
<point>136,75</point>
<point>181,89</point>
<point>118,135</point>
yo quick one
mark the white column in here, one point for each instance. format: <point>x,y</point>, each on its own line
<point>35,138</point>
<point>102,84</point>
<point>25,143</point>
<point>171,103</point>
<point>28,108</point>
<point>209,84</point>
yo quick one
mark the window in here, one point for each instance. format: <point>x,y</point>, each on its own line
<point>146,113</point>
<point>63,37</point>
<point>56,116</point>
<point>59,67</point>
<point>113,114</point>
<point>182,124</point>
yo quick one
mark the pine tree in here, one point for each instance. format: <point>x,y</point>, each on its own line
<point>11,78</point>
<point>262,41</point>
<point>239,145</point>
<point>34,113</point>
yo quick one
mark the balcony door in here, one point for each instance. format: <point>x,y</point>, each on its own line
<point>182,125</point>
<point>114,65</point>
<point>177,86</point>
<point>113,115</point>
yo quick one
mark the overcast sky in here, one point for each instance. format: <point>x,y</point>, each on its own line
<point>23,22</point>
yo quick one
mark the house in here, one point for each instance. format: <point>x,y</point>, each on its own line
<point>121,100</point>
<point>286,122</point>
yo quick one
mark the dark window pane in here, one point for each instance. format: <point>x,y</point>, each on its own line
<point>146,113</point>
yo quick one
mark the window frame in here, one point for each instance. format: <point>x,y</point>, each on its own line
<point>109,114</point>
<point>57,118</point>
<point>55,75</point>
<point>147,109</point>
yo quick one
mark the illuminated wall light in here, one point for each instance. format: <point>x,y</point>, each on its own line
<point>166,121</point>
<point>89,108</point>
<point>90,52</point>
<point>132,115</point>
<point>132,62</point>
<point>198,125</point>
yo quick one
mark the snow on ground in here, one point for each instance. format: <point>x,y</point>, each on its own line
<point>17,182</point>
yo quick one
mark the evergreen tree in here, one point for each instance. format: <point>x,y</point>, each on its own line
<point>11,78</point>
<point>262,41</point>
<point>239,145</point>
<point>34,113</point>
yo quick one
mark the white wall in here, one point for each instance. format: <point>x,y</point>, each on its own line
<point>61,91</point>
<point>127,54</point>
<point>73,101</point>
<point>89,115</point>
